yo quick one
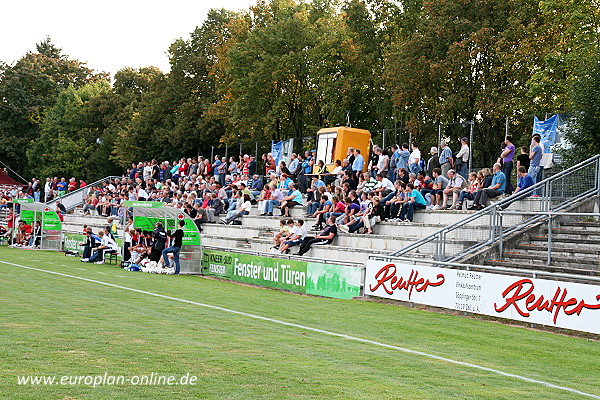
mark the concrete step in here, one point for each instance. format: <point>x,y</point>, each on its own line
<point>563,251</point>
<point>581,226</point>
<point>574,235</point>
<point>557,260</point>
<point>589,243</point>
<point>348,247</point>
<point>582,270</point>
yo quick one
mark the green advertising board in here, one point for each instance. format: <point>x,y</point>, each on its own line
<point>50,219</point>
<point>22,201</point>
<point>338,281</point>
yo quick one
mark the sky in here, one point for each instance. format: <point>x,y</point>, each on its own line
<point>109,34</point>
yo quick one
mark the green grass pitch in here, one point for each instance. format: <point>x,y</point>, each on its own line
<point>54,325</point>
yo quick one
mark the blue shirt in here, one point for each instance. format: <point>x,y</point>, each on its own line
<point>297,196</point>
<point>500,178</point>
<point>216,167</point>
<point>318,183</point>
<point>307,168</point>
<point>446,154</point>
<point>537,156</point>
<point>403,160</point>
<point>359,163</point>
<point>526,182</point>
<point>418,197</point>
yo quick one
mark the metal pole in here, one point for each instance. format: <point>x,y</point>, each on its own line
<point>212,153</point>
<point>256,150</point>
<point>226,150</point>
<point>383,141</point>
<point>549,239</point>
<point>501,245</point>
<point>506,128</point>
<point>439,135</point>
<point>471,147</point>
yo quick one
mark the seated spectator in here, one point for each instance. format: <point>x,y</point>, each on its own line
<point>525,180</point>
<point>414,202</point>
<point>296,237</point>
<point>326,236</point>
<point>244,209</point>
<point>286,228</point>
<point>292,200</point>
<point>392,206</point>
<point>325,207</point>
<point>456,183</point>
<point>496,189</point>
<point>215,207</point>
<point>313,205</point>
<point>470,191</point>
<point>437,190</point>
<point>275,200</point>
<point>255,186</point>
<point>384,185</point>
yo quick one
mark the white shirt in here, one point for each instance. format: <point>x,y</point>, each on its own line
<point>416,154</point>
<point>247,206</point>
<point>464,153</point>
<point>109,243</point>
<point>386,184</point>
<point>301,231</point>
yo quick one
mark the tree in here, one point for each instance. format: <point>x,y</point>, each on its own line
<point>27,89</point>
<point>71,136</point>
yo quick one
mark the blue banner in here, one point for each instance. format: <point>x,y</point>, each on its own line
<point>547,131</point>
<point>276,150</point>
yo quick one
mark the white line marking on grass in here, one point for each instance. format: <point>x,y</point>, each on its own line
<point>100,272</point>
<point>81,269</point>
<point>317,330</point>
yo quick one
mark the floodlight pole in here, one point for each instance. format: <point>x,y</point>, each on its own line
<point>471,147</point>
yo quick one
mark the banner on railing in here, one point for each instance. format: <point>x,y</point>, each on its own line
<point>338,281</point>
<point>553,303</point>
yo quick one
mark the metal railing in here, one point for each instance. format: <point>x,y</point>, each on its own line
<point>77,197</point>
<point>548,219</point>
<point>481,229</point>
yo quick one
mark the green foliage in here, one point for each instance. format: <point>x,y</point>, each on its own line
<point>27,89</point>
<point>285,68</point>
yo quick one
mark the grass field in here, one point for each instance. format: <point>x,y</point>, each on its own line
<point>56,325</point>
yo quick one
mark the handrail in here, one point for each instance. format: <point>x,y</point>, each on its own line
<point>499,206</point>
<point>81,192</point>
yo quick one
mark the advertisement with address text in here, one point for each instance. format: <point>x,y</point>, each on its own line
<point>553,303</point>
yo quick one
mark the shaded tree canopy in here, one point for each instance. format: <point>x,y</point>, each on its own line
<point>285,68</point>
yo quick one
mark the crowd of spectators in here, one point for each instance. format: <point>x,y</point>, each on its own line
<point>398,182</point>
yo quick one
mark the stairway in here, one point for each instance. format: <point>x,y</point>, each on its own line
<point>575,250</point>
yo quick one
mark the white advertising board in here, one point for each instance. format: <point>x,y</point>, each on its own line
<point>539,301</point>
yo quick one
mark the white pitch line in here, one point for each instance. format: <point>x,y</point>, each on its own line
<point>322,331</point>
<point>81,269</point>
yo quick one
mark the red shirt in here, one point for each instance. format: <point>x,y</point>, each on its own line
<point>26,228</point>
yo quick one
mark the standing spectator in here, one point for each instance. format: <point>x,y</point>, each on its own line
<point>535,157</point>
<point>523,158</point>
<point>415,159</point>
<point>176,244</point>
<point>62,187</point>
<point>359,162</point>
<point>433,162</point>
<point>506,158</point>
<point>446,160</point>
<point>462,158</point>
